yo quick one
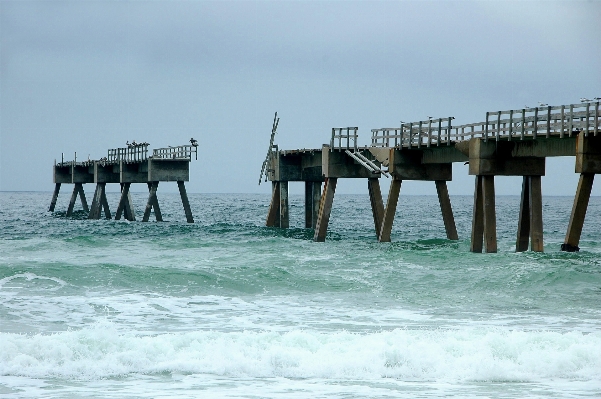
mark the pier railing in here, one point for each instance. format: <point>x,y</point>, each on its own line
<point>546,121</point>
<point>179,152</point>
<point>133,153</point>
<point>342,137</point>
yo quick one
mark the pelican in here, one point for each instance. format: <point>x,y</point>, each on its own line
<point>193,142</point>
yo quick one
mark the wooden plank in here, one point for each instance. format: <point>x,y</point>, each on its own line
<point>490,220</point>
<point>377,206</point>
<point>390,210</point>
<point>185,202</point>
<point>446,209</point>
<point>325,208</point>
<point>284,209</point>
<point>477,217</point>
<point>57,188</point>
<point>583,193</point>
<point>536,214</point>
<point>521,243</point>
<point>72,201</point>
<point>273,219</point>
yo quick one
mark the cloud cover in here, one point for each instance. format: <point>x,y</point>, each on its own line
<point>87,76</point>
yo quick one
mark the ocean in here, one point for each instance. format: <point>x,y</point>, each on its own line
<point>229,308</point>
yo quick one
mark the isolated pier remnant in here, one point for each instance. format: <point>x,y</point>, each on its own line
<point>125,166</point>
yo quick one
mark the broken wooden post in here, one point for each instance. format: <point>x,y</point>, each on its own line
<point>57,188</point>
<point>325,208</point>
<point>153,202</point>
<point>377,207</point>
<point>446,209</point>
<point>583,193</point>
<point>77,190</point>
<point>185,203</point>
<point>125,204</point>
<point>390,210</point>
<point>312,198</point>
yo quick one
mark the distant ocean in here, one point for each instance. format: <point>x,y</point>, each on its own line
<point>229,308</point>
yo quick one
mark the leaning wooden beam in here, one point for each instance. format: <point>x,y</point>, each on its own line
<point>521,243</point>
<point>583,193</point>
<point>273,219</point>
<point>185,203</point>
<point>312,198</point>
<point>57,188</point>
<point>284,209</point>
<point>446,209</point>
<point>377,206</point>
<point>153,202</point>
<point>490,219</point>
<point>477,217</point>
<point>325,208</point>
<point>536,214</point>
<point>390,210</point>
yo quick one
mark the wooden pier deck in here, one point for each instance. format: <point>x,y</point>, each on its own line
<point>125,166</point>
<point>507,143</point>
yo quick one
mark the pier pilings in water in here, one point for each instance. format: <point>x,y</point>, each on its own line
<point>126,166</point>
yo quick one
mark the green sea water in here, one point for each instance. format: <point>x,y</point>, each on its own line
<point>227,307</point>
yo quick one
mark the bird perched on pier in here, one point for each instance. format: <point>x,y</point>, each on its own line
<point>193,142</point>
<point>585,100</point>
<point>542,104</point>
<point>133,143</point>
<point>597,98</point>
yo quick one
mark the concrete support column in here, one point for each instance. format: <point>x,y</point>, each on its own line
<point>530,224</point>
<point>484,223</point>
<point>446,209</point>
<point>583,193</point>
<point>77,190</point>
<point>325,208</point>
<point>390,210</point>
<point>99,203</point>
<point>153,202</point>
<point>185,203</point>
<point>125,204</point>
<point>57,188</point>
<point>284,209</point>
<point>312,198</point>
<point>273,219</point>
<point>377,206</point>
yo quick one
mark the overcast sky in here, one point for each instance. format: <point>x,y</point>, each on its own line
<point>87,76</point>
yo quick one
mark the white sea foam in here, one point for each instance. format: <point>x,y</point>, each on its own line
<point>427,355</point>
<point>27,277</point>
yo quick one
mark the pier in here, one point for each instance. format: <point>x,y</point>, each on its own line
<point>125,166</point>
<point>507,143</point>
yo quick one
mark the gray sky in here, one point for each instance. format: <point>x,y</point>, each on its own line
<point>87,76</point>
